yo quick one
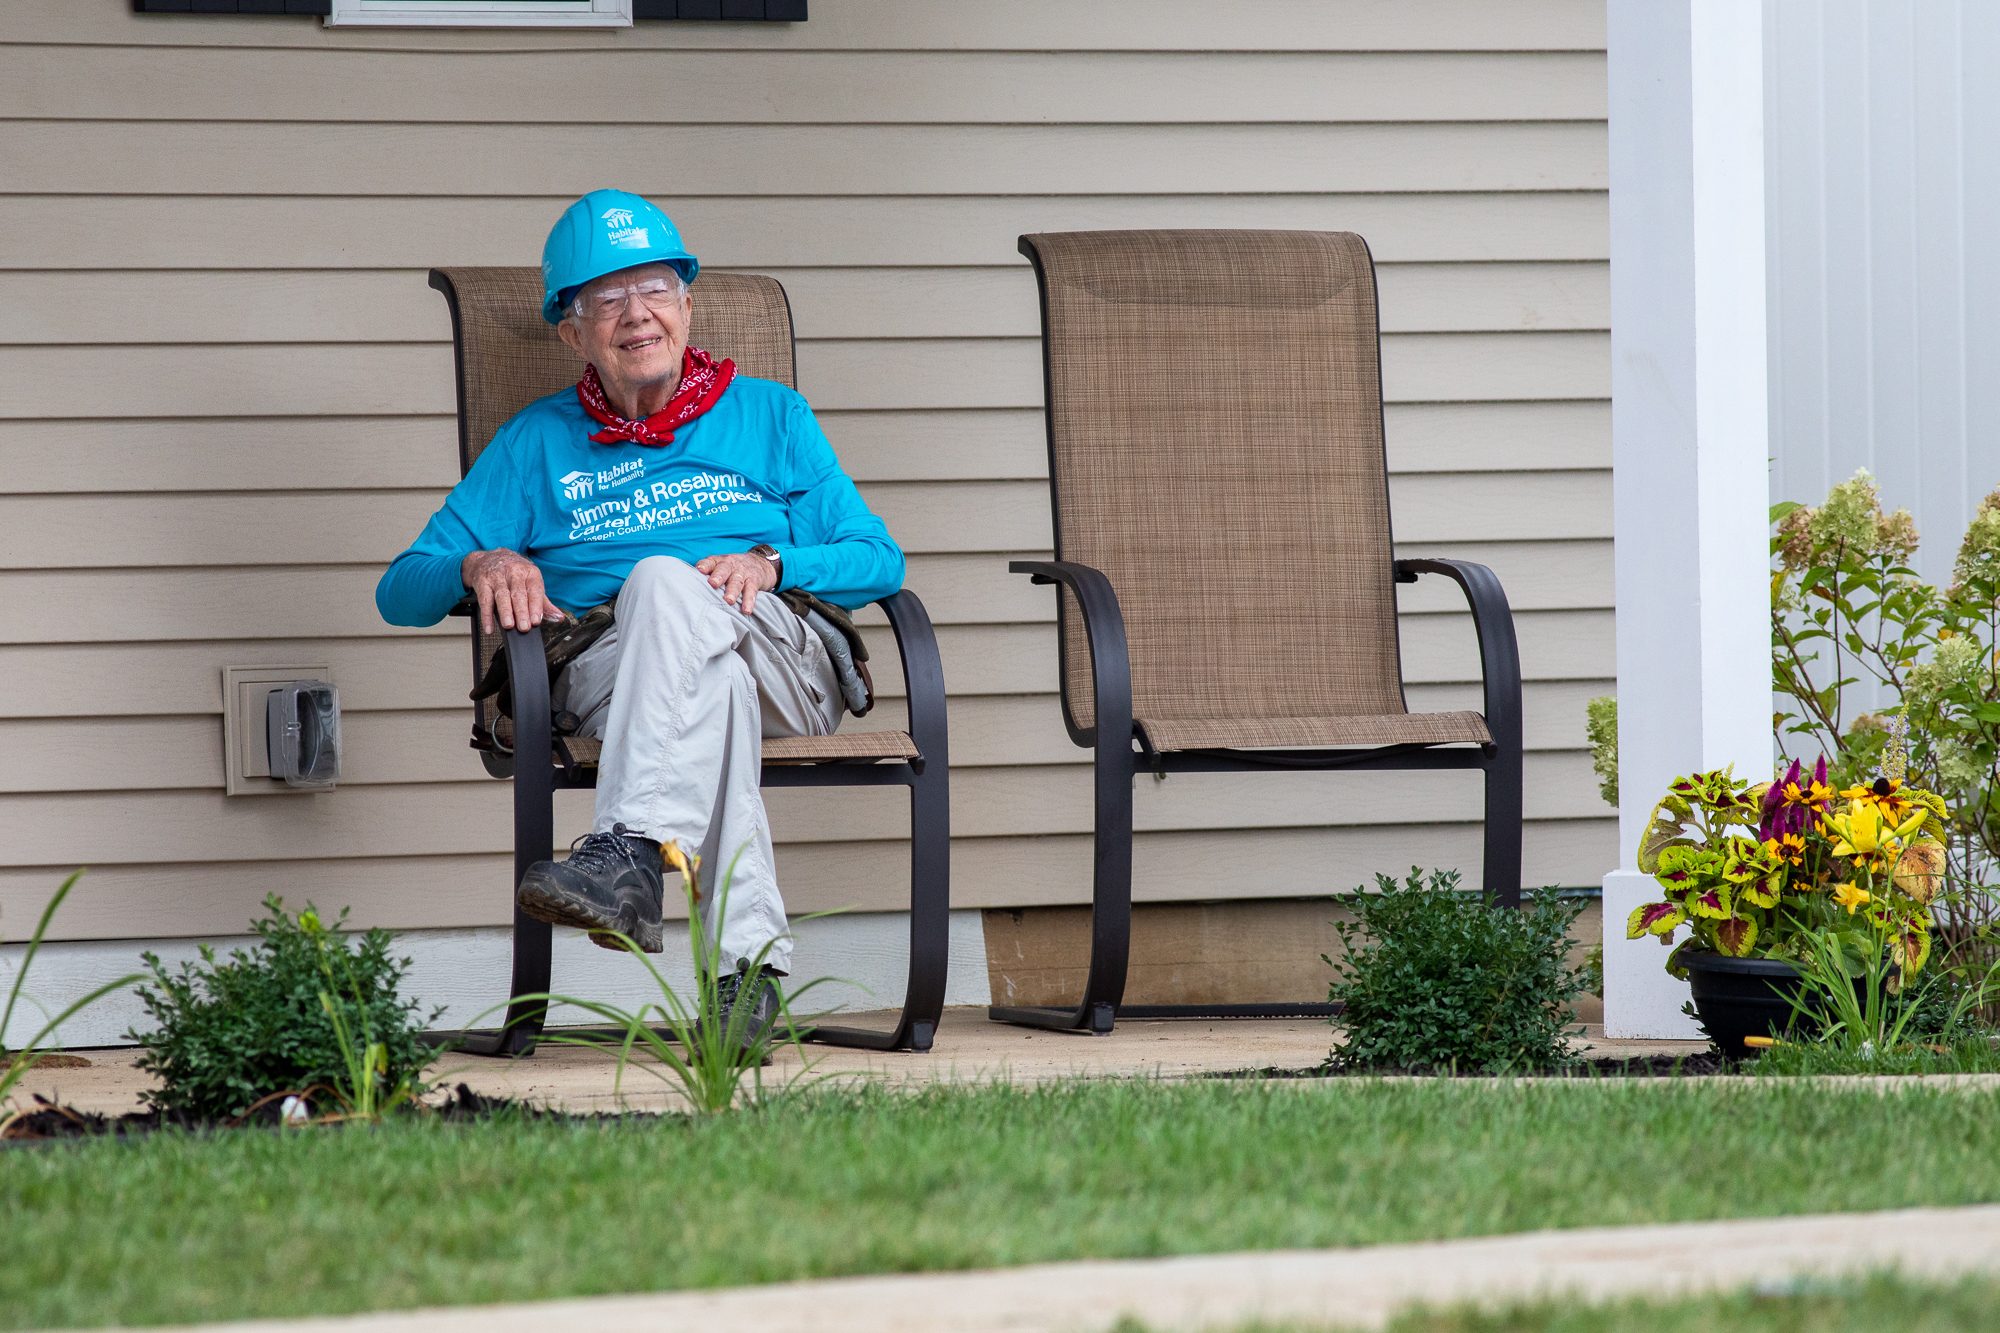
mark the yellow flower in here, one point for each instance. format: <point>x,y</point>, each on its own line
<point>1863,833</point>
<point>1790,849</point>
<point>1850,896</point>
<point>1886,794</point>
<point>688,866</point>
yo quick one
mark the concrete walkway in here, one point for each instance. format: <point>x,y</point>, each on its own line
<point>1344,1289</point>
<point>969,1049</point>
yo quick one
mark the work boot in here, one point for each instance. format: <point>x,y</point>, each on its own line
<point>754,994</point>
<point>611,881</point>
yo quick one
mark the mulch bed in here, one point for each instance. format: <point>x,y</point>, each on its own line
<point>51,1122</point>
<point>54,1060</point>
<point>1704,1065</point>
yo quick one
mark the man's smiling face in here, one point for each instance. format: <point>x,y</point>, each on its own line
<point>633,326</point>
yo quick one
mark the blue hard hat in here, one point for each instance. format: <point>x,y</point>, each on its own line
<point>603,232</point>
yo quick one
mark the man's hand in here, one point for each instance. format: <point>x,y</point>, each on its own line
<point>741,576</point>
<point>508,586</point>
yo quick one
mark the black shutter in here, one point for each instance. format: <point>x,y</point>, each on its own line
<point>645,11</point>
<point>319,7</point>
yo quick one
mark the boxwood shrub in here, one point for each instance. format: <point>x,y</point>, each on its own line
<point>232,1031</point>
<point>1435,977</point>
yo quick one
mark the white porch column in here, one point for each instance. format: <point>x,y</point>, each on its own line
<point>1689,435</point>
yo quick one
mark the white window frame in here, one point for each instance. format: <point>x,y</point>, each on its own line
<point>482,13</point>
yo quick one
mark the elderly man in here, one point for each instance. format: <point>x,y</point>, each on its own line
<point>684,495</point>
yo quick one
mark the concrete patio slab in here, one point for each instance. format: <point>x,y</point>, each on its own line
<point>969,1049</point>
<point>1335,1289</point>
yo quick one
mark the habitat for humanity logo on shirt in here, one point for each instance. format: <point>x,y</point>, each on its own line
<point>581,484</point>
<point>597,515</point>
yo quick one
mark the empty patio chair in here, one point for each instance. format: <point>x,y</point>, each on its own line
<point>507,357</point>
<point>1222,547</point>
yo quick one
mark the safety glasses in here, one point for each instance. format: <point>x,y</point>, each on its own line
<point>606,303</point>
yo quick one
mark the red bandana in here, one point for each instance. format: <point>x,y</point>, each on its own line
<point>702,381</point>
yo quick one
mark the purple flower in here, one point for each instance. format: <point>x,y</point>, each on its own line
<point>1774,821</point>
<point>1788,806</point>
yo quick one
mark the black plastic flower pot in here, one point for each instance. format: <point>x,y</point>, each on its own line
<point>1736,998</point>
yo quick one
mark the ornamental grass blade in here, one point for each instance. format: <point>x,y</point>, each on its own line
<point>15,1066</point>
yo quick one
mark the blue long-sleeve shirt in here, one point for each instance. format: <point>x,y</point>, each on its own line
<point>754,468</point>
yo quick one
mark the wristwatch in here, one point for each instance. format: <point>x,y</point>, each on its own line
<point>770,553</point>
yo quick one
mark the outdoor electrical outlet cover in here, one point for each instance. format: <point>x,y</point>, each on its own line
<point>246,758</point>
<point>303,734</point>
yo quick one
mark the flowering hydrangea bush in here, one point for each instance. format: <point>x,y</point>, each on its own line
<point>1764,870</point>
<point>1846,610</point>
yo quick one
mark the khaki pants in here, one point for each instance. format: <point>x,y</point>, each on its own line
<point>682,690</point>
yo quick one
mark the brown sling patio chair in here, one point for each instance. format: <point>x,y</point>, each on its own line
<point>1222,548</point>
<point>507,356</point>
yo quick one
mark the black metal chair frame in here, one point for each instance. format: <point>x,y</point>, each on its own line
<point>535,785</point>
<point>1119,760</point>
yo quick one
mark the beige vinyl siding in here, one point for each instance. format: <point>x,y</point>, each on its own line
<point>1538,26</point>
<point>754,88</point>
<point>329,158</point>
<point>882,374</point>
<point>149,752</point>
<point>225,400</point>
<point>365,306</point>
<point>317,453</point>
<point>768,232</point>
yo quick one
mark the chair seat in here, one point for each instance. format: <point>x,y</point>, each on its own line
<point>1253,733</point>
<point>842,745</point>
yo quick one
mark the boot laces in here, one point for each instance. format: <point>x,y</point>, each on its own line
<point>728,987</point>
<point>594,853</point>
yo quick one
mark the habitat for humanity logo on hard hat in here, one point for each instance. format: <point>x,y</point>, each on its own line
<point>619,231</point>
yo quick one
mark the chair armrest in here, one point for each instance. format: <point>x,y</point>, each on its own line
<point>528,669</point>
<point>1499,653</point>
<point>465,606</point>
<point>1104,632</point>
<point>923,675</point>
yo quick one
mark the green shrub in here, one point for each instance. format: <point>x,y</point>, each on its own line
<point>1946,1007</point>
<point>231,1032</point>
<point>1437,977</point>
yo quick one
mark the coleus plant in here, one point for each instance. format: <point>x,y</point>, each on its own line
<point>1757,870</point>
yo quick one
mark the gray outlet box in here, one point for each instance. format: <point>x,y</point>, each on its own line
<point>303,734</point>
<point>246,756</point>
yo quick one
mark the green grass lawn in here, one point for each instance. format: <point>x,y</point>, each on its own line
<point>186,1227</point>
<point>1872,1305</point>
<point>1974,1054</point>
